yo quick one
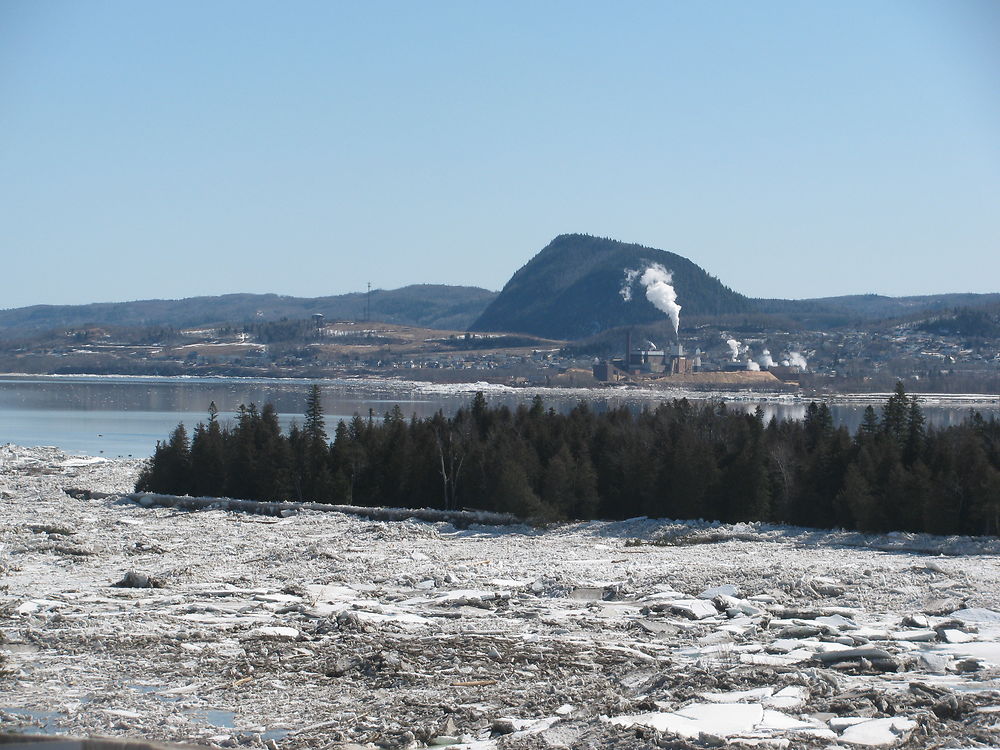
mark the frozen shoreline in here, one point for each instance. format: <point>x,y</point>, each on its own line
<point>319,628</point>
<point>367,383</point>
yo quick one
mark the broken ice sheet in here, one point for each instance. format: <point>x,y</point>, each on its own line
<point>722,720</point>
<point>872,732</point>
<point>589,651</point>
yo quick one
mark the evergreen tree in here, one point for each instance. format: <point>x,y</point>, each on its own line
<point>315,425</point>
<point>208,457</point>
<point>855,503</point>
<point>869,424</point>
<point>895,416</point>
<point>915,432</point>
<point>169,470</point>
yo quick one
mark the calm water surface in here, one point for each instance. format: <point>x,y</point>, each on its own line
<point>126,416</point>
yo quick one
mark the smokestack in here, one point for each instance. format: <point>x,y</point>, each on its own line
<point>628,349</point>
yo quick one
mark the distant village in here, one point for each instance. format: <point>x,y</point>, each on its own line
<point>705,357</point>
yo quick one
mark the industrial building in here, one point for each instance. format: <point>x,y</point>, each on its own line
<point>648,363</point>
<point>645,362</point>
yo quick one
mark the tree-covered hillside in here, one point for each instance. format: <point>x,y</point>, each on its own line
<point>425,305</point>
<point>570,290</point>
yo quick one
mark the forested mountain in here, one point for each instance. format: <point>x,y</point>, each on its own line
<point>571,289</point>
<point>426,305</point>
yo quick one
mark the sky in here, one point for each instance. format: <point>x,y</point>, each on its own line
<point>176,149</point>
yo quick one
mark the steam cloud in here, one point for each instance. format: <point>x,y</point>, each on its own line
<point>765,359</point>
<point>735,347</point>
<point>659,290</point>
<point>753,366</point>
<point>797,360</point>
<point>626,290</point>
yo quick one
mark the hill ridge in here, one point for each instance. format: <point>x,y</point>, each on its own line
<point>427,305</point>
<point>570,289</point>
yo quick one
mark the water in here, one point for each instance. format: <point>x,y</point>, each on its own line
<point>117,416</point>
<point>28,721</point>
<point>126,416</point>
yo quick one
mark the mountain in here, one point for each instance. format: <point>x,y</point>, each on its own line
<point>571,289</point>
<point>426,305</point>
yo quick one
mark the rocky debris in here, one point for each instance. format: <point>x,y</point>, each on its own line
<point>51,529</point>
<point>136,580</point>
<point>326,630</point>
<point>693,609</point>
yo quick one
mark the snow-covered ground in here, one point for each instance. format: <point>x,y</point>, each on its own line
<point>322,629</point>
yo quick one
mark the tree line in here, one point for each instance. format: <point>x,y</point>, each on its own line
<point>677,460</point>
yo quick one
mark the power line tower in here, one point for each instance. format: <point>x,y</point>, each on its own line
<point>368,304</point>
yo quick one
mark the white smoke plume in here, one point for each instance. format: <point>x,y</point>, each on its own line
<point>795,359</point>
<point>753,366</point>
<point>765,359</point>
<point>626,291</point>
<point>658,282</point>
<point>734,348</point>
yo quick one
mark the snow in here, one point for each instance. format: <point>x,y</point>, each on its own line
<point>726,589</point>
<point>976,614</point>
<point>698,718</point>
<point>326,628</point>
<point>873,732</point>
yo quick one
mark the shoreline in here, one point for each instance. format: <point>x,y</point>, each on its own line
<point>591,393</point>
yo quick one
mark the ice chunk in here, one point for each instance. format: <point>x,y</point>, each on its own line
<point>874,732</point>
<point>837,621</point>
<point>274,631</point>
<point>585,593</point>
<point>792,696</point>
<point>693,609</point>
<point>915,636</point>
<point>774,660</point>
<point>956,636</point>
<point>700,718</point>
<point>726,589</point>
<point>778,721</point>
<point>934,663</point>
<point>976,614</point>
<point>738,696</point>
<point>661,596</point>
<point>74,463</point>
<point>985,650</point>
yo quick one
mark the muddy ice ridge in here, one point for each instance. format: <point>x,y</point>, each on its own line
<point>325,630</point>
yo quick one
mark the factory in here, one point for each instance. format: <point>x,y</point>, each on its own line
<point>647,361</point>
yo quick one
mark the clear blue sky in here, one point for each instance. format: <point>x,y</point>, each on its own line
<point>793,149</point>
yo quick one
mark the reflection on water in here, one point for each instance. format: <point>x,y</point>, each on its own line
<point>126,416</point>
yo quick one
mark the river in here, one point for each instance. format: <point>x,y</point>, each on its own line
<point>125,416</point>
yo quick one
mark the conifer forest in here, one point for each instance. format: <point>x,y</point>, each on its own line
<point>678,460</point>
